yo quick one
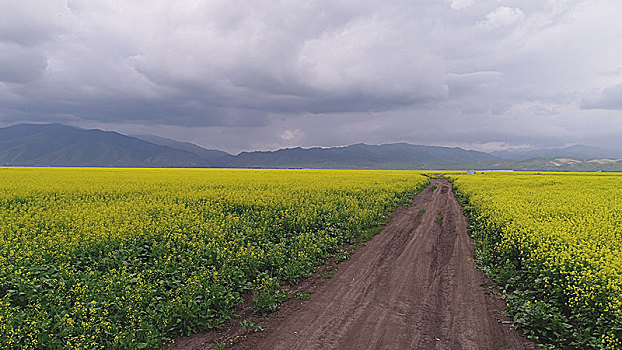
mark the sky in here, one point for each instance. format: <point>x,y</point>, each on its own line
<point>261,75</point>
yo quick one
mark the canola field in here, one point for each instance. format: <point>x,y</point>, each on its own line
<point>127,258</point>
<point>554,242</point>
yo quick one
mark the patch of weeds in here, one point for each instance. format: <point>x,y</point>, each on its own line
<point>491,292</point>
<point>385,219</point>
<point>304,295</point>
<point>332,268</point>
<point>342,255</point>
<point>327,275</point>
<point>541,321</point>
<point>368,234</point>
<point>268,296</point>
<point>421,212</point>
<point>251,327</point>
<point>433,188</point>
<point>439,220</point>
<point>219,346</point>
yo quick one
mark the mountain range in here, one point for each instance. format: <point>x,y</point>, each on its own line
<point>577,151</point>
<point>62,145</point>
<point>362,156</point>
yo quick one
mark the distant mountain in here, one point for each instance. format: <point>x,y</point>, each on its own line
<point>61,145</point>
<point>208,155</point>
<point>576,151</point>
<point>568,164</point>
<point>361,156</point>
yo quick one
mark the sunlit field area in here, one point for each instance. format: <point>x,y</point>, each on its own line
<point>555,241</point>
<point>127,258</point>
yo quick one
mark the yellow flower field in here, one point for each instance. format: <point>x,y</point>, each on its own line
<point>126,258</point>
<point>562,234</point>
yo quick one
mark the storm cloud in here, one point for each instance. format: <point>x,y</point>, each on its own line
<point>239,75</point>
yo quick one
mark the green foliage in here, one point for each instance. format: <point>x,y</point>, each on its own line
<point>342,255</point>
<point>328,274</point>
<point>304,295</point>
<point>541,321</point>
<point>251,326</point>
<point>268,295</point>
<point>368,234</point>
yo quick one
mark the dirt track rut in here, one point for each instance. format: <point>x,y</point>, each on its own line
<point>414,286</point>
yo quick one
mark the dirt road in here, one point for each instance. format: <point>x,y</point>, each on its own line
<point>414,286</point>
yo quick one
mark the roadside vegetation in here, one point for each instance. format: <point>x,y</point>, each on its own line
<point>554,244</point>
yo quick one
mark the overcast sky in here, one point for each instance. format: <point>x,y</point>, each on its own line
<point>257,75</point>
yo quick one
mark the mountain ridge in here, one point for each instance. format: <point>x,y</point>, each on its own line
<point>575,151</point>
<point>206,154</point>
<point>62,145</point>
<point>361,156</point>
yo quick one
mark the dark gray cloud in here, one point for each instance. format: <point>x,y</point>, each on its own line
<point>19,65</point>
<point>30,23</point>
<point>245,75</point>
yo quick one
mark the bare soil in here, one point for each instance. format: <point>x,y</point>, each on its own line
<point>413,286</point>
